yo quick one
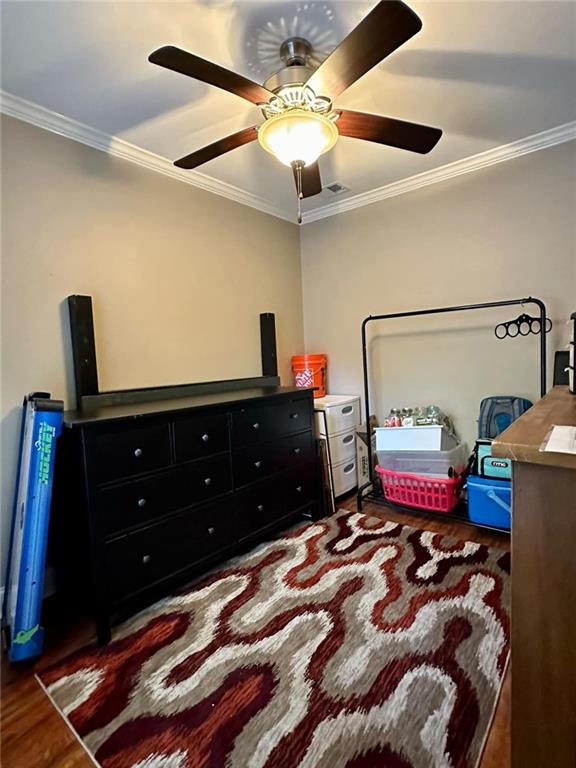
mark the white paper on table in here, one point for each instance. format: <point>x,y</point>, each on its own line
<point>561,440</point>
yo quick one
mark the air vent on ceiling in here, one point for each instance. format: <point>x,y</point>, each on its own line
<point>336,188</point>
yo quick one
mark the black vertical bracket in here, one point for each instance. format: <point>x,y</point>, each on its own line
<point>268,344</point>
<point>83,346</point>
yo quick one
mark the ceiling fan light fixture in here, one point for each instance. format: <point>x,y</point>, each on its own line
<point>298,135</point>
<point>297,100</point>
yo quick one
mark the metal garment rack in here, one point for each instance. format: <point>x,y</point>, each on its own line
<point>461,511</point>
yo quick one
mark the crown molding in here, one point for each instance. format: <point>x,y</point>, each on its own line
<point>537,141</point>
<point>41,117</point>
<point>32,113</point>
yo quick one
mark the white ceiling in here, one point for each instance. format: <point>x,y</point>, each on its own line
<point>487,73</point>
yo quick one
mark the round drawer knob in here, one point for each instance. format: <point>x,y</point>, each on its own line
<point>298,489</point>
<point>205,438</point>
<point>260,507</point>
<point>256,425</point>
<point>141,502</point>
<point>297,451</point>
<point>211,530</point>
<point>146,559</point>
<point>293,415</point>
<point>207,481</point>
<point>138,452</point>
<point>257,464</point>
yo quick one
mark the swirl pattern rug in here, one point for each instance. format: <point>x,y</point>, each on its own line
<point>349,642</point>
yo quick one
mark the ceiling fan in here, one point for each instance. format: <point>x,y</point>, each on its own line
<point>301,122</point>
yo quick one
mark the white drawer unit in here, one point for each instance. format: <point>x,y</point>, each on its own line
<point>337,417</point>
<point>342,413</point>
<point>342,446</point>
<point>345,476</point>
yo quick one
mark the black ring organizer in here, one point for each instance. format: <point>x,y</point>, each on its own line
<point>460,513</point>
<point>523,325</point>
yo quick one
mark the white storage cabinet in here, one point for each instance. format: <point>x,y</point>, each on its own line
<point>337,423</point>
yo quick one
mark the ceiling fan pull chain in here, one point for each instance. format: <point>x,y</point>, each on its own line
<point>297,166</point>
<point>299,180</point>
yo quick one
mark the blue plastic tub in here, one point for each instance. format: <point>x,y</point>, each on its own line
<point>490,501</point>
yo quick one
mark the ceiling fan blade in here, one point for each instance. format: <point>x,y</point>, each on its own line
<point>388,25</point>
<point>311,182</point>
<point>186,63</point>
<point>218,148</point>
<point>388,130</point>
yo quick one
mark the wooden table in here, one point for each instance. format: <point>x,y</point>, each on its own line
<point>543,586</point>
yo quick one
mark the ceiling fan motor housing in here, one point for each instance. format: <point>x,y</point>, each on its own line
<point>295,51</point>
<point>292,75</point>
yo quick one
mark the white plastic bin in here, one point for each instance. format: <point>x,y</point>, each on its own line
<point>342,413</point>
<point>428,438</point>
<point>425,462</point>
<point>345,476</point>
<point>342,446</point>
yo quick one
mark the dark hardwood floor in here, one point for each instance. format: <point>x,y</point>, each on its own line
<point>33,735</point>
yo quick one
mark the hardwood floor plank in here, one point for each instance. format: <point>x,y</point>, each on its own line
<point>34,735</point>
<point>498,749</point>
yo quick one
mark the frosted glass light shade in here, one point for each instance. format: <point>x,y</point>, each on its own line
<point>297,135</point>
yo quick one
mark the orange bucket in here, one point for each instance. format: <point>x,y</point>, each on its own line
<point>310,371</point>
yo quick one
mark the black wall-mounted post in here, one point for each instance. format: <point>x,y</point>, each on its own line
<point>268,344</point>
<point>83,345</point>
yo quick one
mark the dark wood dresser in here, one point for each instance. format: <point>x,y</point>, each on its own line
<point>149,494</point>
<point>543,586</point>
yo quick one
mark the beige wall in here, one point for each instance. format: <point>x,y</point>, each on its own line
<point>504,232</point>
<point>178,276</point>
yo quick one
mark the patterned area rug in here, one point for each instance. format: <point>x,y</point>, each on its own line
<point>347,642</point>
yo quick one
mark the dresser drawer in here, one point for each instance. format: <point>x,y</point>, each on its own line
<point>141,501</point>
<point>299,488</point>
<point>254,463</point>
<point>295,450</point>
<point>256,425</point>
<point>264,459</point>
<point>137,560</point>
<point>122,452</point>
<point>258,508</point>
<point>201,436</point>
<point>206,478</point>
